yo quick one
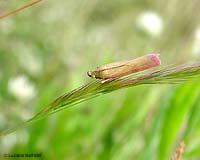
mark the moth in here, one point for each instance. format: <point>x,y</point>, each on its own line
<point>123,68</point>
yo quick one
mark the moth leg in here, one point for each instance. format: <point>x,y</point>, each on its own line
<point>107,80</point>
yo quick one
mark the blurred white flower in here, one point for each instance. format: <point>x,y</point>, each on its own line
<point>31,63</point>
<point>21,88</point>
<point>151,22</point>
<point>28,59</point>
<point>7,26</point>
<point>196,45</point>
<point>26,113</point>
<point>8,142</point>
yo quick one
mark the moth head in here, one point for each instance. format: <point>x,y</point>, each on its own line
<point>91,74</point>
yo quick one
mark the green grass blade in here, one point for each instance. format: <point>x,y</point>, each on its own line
<point>177,110</point>
<point>173,75</point>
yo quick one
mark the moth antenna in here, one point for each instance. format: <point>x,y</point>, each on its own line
<point>19,9</point>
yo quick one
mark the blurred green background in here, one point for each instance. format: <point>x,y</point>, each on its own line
<point>46,51</point>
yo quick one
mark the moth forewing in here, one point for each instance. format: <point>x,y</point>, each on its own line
<point>122,68</point>
<point>115,72</point>
<point>112,65</point>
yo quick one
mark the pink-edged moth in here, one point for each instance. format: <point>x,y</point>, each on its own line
<point>122,68</point>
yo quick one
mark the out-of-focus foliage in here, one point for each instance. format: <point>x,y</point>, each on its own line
<point>46,50</point>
